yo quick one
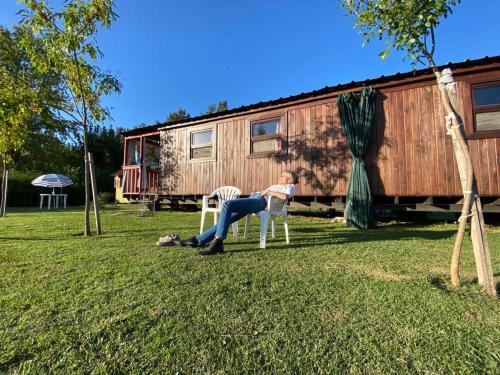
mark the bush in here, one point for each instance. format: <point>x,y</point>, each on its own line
<point>22,193</point>
<point>106,198</point>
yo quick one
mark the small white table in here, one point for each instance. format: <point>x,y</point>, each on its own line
<point>56,198</point>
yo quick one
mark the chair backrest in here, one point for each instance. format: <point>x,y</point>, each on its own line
<point>225,193</point>
<point>276,205</point>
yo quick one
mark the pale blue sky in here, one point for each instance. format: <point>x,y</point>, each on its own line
<point>192,53</point>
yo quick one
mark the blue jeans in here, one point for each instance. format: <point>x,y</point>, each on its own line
<point>231,211</point>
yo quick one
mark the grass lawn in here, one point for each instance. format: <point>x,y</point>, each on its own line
<point>337,300</point>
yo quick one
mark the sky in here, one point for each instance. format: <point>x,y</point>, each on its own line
<point>192,53</point>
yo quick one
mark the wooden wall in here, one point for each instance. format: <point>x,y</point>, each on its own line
<point>409,155</point>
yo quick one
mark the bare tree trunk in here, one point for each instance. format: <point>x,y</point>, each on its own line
<point>95,197</point>
<point>3,192</point>
<point>86,181</point>
<point>2,188</point>
<point>463,158</point>
<point>4,200</point>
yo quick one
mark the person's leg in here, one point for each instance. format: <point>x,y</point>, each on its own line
<point>231,211</point>
<point>240,207</point>
<point>209,234</point>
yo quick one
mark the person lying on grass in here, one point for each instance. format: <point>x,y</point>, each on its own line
<point>234,210</point>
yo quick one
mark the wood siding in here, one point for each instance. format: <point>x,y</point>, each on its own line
<point>409,154</point>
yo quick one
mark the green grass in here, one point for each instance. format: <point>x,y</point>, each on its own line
<point>336,300</point>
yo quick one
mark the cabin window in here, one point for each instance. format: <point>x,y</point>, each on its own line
<point>265,136</point>
<point>133,152</point>
<point>486,107</point>
<point>201,144</point>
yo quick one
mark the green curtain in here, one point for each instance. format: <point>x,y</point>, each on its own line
<point>357,115</point>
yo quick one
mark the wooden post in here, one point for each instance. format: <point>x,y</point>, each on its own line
<point>4,198</point>
<point>2,189</point>
<point>95,198</point>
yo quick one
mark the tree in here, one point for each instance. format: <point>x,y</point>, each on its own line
<point>180,114</point>
<point>220,107</point>
<point>27,98</point>
<point>409,26</point>
<point>70,48</point>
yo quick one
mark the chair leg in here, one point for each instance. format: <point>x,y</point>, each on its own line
<point>235,229</point>
<point>273,226</point>
<point>285,218</point>
<point>247,223</point>
<point>215,218</point>
<point>264,220</point>
<point>203,213</point>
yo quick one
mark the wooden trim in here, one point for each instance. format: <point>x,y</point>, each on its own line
<point>267,116</point>
<point>484,134</point>
<point>265,154</point>
<point>141,150</point>
<point>142,135</point>
<point>487,108</point>
<point>125,149</point>
<point>264,137</point>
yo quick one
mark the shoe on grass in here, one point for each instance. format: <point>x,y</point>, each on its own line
<point>169,240</point>
<point>170,237</point>
<point>217,246</point>
<point>190,242</point>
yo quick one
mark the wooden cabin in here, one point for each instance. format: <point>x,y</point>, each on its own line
<point>410,159</point>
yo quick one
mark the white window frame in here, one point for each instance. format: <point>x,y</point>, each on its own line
<point>213,143</point>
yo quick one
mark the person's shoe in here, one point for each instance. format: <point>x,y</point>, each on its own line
<point>168,240</point>
<point>190,242</point>
<point>217,246</point>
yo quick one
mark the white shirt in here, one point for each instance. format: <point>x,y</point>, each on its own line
<point>288,189</point>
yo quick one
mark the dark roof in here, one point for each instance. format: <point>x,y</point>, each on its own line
<point>145,129</point>
<point>326,90</point>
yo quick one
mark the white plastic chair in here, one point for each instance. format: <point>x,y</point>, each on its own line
<point>223,194</point>
<point>275,207</point>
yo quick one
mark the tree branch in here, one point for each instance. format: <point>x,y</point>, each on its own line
<point>433,39</point>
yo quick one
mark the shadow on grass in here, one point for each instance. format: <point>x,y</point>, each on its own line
<point>439,283</point>
<point>336,238</point>
<point>16,360</point>
<point>31,238</point>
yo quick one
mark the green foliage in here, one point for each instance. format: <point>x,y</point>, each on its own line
<point>28,96</point>
<point>332,302</point>
<point>406,25</point>
<point>69,47</point>
<point>220,107</point>
<point>106,198</point>
<point>20,191</point>
<point>180,114</point>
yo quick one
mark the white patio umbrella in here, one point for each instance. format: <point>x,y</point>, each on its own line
<point>52,181</point>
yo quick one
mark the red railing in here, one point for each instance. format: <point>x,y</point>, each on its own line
<point>132,183</point>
